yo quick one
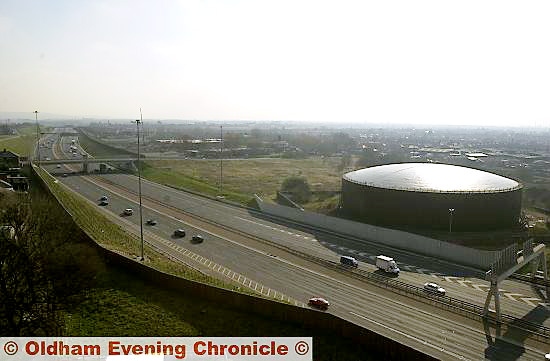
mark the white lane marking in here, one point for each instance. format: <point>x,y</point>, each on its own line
<point>460,357</point>
<point>274,228</point>
<point>511,295</point>
<point>529,300</point>
<point>463,282</point>
<point>478,287</point>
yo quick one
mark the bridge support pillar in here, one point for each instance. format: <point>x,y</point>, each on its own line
<point>493,292</point>
<point>541,261</point>
<point>85,163</point>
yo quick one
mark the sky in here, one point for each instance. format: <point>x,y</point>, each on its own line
<point>423,62</point>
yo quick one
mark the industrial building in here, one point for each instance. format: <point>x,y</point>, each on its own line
<point>431,196</point>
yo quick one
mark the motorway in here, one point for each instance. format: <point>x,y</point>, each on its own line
<point>241,248</point>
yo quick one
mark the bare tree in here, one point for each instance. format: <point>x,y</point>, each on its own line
<point>43,266</point>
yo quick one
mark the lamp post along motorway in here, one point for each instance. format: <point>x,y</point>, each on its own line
<point>451,211</point>
<point>37,136</point>
<point>221,159</point>
<point>138,121</point>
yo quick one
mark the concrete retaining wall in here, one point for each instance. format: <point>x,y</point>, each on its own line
<point>403,240</point>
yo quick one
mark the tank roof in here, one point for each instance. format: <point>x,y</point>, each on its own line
<point>431,177</point>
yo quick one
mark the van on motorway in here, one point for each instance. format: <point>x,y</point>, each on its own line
<point>349,261</point>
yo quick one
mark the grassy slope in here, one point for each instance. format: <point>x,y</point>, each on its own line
<point>22,144</point>
<point>100,150</point>
<point>243,178</point>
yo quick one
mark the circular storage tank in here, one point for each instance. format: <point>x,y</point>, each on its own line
<point>421,195</point>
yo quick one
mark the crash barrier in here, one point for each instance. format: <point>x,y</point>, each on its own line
<point>379,345</point>
<point>468,309</point>
<point>480,259</point>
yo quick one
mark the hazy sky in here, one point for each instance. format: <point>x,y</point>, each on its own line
<point>444,62</point>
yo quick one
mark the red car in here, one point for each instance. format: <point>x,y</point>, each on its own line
<point>319,303</point>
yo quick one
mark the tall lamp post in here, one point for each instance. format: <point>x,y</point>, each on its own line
<point>37,136</point>
<point>138,121</point>
<point>221,159</point>
<point>451,211</point>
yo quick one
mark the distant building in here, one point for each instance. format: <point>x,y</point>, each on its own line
<point>9,159</point>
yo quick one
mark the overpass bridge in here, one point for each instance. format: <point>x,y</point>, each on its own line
<point>85,160</point>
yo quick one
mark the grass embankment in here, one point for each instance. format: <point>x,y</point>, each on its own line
<point>101,150</point>
<point>243,178</point>
<point>23,143</point>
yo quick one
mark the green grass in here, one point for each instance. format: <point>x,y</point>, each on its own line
<point>100,150</point>
<point>22,144</point>
<point>243,178</point>
<point>122,305</point>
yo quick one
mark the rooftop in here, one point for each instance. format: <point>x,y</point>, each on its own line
<point>431,177</point>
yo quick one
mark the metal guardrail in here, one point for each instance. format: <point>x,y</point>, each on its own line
<point>534,280</point>
<point>469,309</point>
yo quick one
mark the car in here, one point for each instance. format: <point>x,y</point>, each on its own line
<point>128,212</point>
<point>318,302</point>
<point>349,261</point>
<point>64,175</point>
<point>104,203</point>
<point>434,288</point>
<point>151,222</point>
<point>547,356</point>
<point>58,166</point>
<point>48,158</point>
<point>197,238</point>
<point>103,198</point>
<point>179,232</point>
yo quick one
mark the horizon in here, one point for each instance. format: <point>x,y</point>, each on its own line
<point>421,63</point>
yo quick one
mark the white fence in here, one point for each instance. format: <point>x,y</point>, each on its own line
<point>403,240</point>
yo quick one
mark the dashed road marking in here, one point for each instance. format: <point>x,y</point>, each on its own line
<point>529,300</point>
<point>511,295</point>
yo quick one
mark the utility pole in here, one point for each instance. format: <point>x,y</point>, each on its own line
<point>221,159</point>
<point>451,211</point>
<point>140,120</point>
<point>37,136</point>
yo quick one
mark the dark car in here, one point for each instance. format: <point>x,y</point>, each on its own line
<point>179,232</point>
<point>104,203</point>
<point>151,222</point>
<point>318,302</point>
<point>197,238</point>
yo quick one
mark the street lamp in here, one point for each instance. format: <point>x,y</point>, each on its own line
<point>221,159</point>
<point>37,136</point>
<point>138,121</point>
<point>451,210</point>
